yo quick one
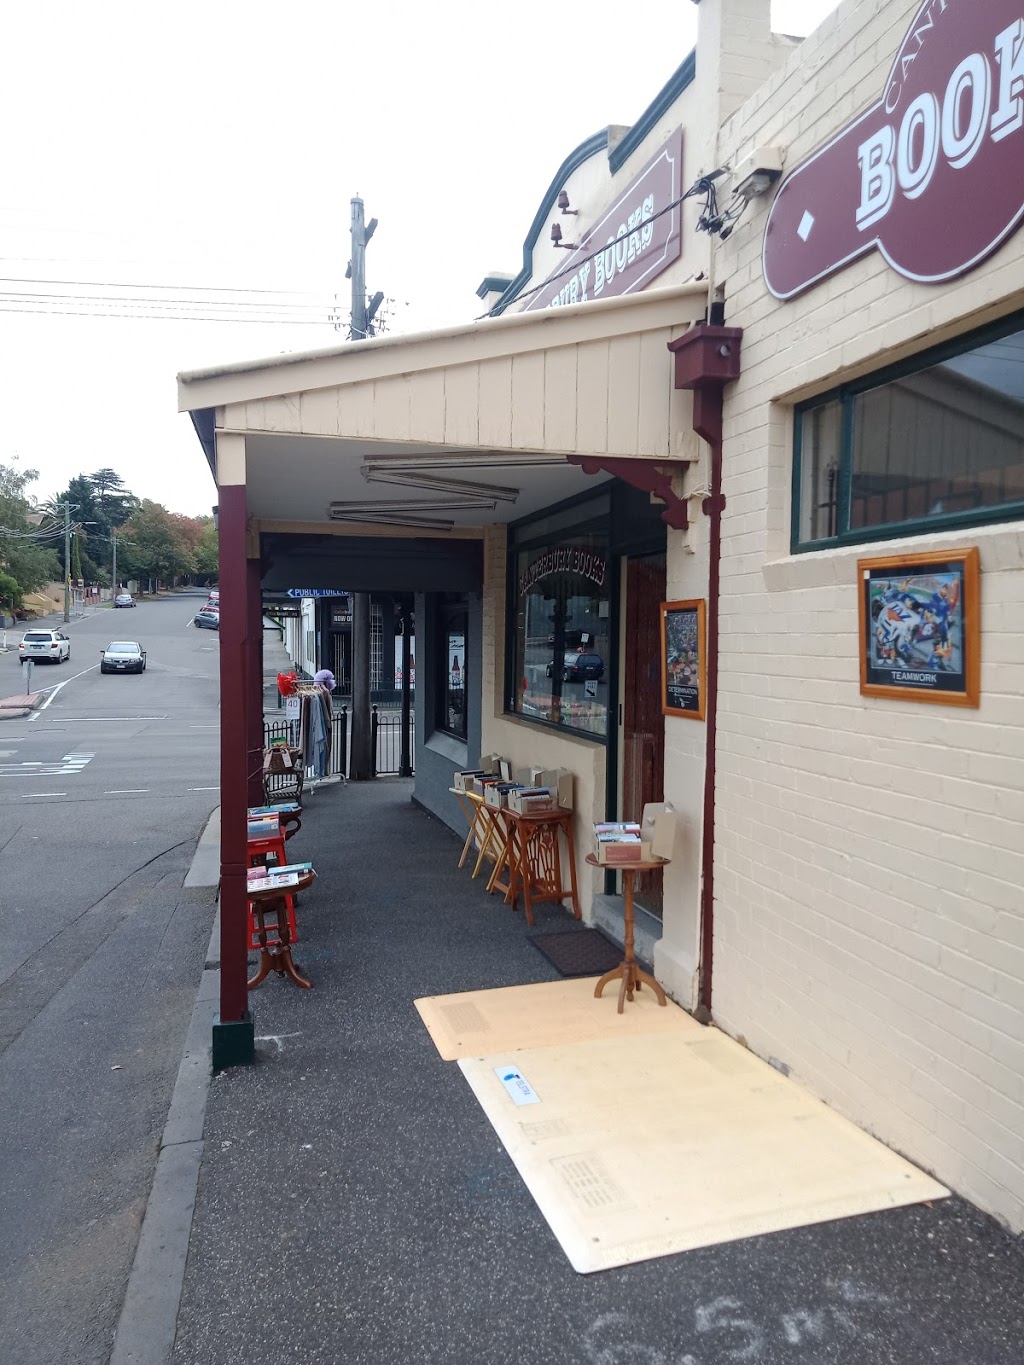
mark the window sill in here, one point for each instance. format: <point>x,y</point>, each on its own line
<point>1002,547</point>
<point>447,746</point>
<point>534,723</point>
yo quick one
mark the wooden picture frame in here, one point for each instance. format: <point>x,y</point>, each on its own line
<point>920,627</point>
<point>683,659</point>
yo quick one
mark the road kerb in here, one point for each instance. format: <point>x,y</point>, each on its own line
<point>149,1316</point>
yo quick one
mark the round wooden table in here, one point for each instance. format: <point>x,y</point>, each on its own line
<point>276,952</point>
<point>631,974</point>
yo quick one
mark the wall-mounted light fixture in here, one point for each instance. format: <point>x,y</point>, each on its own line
<point>404,505</point>
<point>383,471</point>
<point>563,202</point>
<point>556,237</point>
<point>394,519</point>
<point>466,459</point>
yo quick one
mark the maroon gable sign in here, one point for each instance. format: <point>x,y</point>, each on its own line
<point>639,239</point>
<point>932,175</point>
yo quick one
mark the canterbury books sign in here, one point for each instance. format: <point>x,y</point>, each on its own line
<point>932,175</point>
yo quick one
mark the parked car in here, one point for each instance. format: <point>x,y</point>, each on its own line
<point>123,656</point>
<point>48,646</point>
<point>207,618</point>
<point>578,667</point>
<point>124,599</point>
<point>214,599</point>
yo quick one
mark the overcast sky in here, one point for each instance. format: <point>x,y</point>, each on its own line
<point>218,144</point>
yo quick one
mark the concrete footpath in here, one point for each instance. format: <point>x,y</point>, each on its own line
<point>346,1200</point>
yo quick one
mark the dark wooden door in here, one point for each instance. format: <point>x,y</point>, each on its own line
<point>643,764</point>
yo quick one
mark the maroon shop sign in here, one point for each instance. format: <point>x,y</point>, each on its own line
<point>932,175</point>
<point>634,240</point>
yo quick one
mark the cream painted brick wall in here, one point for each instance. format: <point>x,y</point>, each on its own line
<point>870,861</point>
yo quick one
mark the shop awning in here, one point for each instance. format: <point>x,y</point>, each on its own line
<point>450,430</point>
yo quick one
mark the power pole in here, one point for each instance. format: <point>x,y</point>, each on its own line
<point>67,560</point>
<point>113,571</point>
<point>363,311</point>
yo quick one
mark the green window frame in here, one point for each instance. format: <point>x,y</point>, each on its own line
<point>856,480</point>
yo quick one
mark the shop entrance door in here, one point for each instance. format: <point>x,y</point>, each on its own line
<point>643,723</point>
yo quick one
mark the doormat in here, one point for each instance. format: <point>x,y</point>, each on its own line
<point>578,952</point>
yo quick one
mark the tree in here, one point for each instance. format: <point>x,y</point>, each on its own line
<point>207,559</point>
<point>26,549</point>
<point>11,594</point>
<point>113,503</point>
<point>153,544</point>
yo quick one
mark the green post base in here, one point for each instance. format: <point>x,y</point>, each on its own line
<point>234,1044</point>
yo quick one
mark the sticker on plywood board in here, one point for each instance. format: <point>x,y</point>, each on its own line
<point>517,1085</point>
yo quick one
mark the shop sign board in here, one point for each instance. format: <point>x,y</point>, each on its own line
<point>634,240</point>
<point>930,175</point>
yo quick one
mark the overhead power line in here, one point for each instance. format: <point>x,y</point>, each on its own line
<point>38,296</point>
<point>181,288</point>
<point>173,315</point>
<point>185,303</point>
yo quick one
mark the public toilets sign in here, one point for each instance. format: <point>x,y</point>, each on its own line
<point>932,175</point>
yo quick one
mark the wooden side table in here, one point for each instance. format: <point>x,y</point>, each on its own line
<point>632,975</point>
<point>270,910</point>
<point>532,853</point>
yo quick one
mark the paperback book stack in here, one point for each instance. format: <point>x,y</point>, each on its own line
<point>618,842</point>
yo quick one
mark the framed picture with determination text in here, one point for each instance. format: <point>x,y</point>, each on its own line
<point>683,684</point>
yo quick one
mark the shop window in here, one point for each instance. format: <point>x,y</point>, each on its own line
<point>560,656</point>
<point>936,443</point>
<point>452,687</point>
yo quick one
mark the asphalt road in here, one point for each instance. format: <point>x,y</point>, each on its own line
<point>103,795</point>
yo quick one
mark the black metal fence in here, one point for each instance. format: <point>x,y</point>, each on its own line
<point>385,742</point>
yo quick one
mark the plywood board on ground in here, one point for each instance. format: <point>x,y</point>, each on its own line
<point>545,1014</point>
<point>643,1146</point>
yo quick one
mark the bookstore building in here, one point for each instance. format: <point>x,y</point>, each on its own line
<point>722,504</point>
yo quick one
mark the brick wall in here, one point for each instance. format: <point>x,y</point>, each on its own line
<point>870,873</point>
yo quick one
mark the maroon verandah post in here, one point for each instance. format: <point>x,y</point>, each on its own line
<point>233,1033</point>
<point>254,680</point>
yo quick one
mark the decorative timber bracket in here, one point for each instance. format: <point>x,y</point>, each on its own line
<point>646,475</point>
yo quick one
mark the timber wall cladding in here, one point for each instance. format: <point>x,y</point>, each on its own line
<point>870,911</point>
<point>608,396</point>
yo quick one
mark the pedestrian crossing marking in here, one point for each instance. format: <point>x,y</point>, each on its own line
<point>70,763</point>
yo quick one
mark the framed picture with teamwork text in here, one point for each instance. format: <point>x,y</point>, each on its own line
<point>920,627</point>
<point>683,683</point>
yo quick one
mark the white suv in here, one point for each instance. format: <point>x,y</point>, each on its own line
<point>44,646</point>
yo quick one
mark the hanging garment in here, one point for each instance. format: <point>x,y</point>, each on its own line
<point>317,758</point>
<point>328,710</point>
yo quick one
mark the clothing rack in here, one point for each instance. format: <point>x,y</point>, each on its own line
<point>316,733</point>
